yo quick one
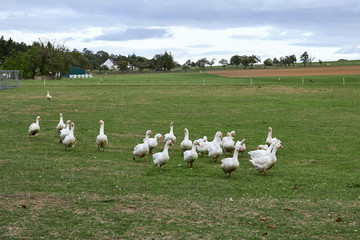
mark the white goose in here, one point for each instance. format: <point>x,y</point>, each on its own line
<point>243,146</point>
<point>186,144</point>
<point>228,135</point>
<point>230,164</point>
<point>161,158</point>
<point>69,140</point>
<point>228,143</point>
<point>34,128</point>
<point>201,147</point>
<point>142,149</point>
<point>268,140</point>
<point>260,152</point>
<point>48,96</point>
<point>65,131</point>
<point>214,148</point>
<point>191,155</point>
<point>61,124</point>
<point>264,163</point>
<point>153,142</point>
<point>170,135</point>
<point>101,139</point>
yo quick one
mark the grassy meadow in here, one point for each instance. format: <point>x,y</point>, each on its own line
<point>312,192</point>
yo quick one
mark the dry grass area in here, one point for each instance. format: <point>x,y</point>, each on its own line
<point>310,71</point>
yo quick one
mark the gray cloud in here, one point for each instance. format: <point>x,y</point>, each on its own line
<point>331,22</point>
<point>134,34</point>
<point>349,50</point>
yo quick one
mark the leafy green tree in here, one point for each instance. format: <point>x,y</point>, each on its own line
<point>268,62</point>
<point>276,61</point>
<point>19,62</point>
<point>224,62</point>
<point>245,61</point>
<point>304,58</point>
<point>122,64</point>
<point>164,61</point>
<point>201,63</point>
<point>212,62</point>
<point>79,60</point>
<point>253,60</point>
<point>235,60</point>
<point>292,59</point>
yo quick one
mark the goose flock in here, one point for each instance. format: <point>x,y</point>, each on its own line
<point>66,133</point>
<point>263,158</point>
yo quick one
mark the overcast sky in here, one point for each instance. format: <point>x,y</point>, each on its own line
<point>190,29</point>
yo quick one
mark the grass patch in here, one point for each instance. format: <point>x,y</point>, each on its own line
<point>50,192</point>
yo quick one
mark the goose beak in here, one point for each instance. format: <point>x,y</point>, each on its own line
<point>281,146</point>
<point>161,138</point>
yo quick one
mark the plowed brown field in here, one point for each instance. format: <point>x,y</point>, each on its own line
<point>309,71</point>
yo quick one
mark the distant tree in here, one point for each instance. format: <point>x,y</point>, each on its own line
<point>276,61</point>
<point>224,62</point>
<point>201,63</point>
<point>132,61</point>
<point>292,59</point>
<point>19,61</point>
<point>268,62</point>
<point>185,67</point>
<point>164,61</point>
<point>235,60</point>
<point>79,60</point>
<point>245,61</point>
<point>320,62</point>
<point>311,59</point>
<point>304,58</point>
<point>253,60</point>
<point>122,64</point>
<point>212,62</point>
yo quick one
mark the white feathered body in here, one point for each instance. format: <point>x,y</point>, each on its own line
<point>142,149</point>
<point>153,142</point>
<point>186,144</point>
<point>191,155</point>
<point>170,135</point>
<point>214,149</point>
<point>264,163</point>
<point>70,140</point>
<point>65,131</point>
<point>34,128</point>
<point>101,139</point>
<point>161,158</point>
<point>230,164</point>
<point>61,124</point>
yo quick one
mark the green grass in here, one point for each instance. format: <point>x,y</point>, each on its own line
<point>86,194</point>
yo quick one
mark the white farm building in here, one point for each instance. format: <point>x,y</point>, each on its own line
<point>111,64</point>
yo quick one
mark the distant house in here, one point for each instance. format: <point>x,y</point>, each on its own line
<point>111,64</point>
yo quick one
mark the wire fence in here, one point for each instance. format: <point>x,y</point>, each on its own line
<point>10,78</point>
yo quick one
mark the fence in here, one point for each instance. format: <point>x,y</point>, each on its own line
<point>10,78</point>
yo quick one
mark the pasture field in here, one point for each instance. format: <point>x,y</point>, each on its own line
<point>312,192</point>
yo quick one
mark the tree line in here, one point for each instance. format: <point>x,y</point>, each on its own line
<point>46,58</point>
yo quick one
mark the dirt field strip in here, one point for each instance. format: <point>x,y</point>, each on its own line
<point>309,71</point>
